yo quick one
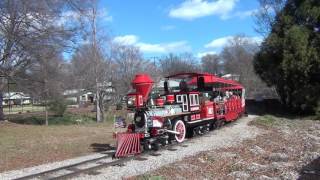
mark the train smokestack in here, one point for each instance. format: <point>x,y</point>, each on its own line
<point>142,83</point>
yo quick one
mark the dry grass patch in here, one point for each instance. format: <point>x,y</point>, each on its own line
<point>28,145</point>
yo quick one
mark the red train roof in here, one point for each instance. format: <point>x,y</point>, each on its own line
<point>208,79</point>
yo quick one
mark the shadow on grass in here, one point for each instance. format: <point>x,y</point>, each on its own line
<point>311,171</point>
<point>102,148</point>
<point>273,107</point>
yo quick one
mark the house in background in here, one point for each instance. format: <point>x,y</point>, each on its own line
<point>16,98</point>
<point>79,96</point>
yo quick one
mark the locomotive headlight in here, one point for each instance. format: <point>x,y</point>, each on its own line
<point>131,101</point>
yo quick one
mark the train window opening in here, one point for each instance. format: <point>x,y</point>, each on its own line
<point>194,99</point>
<point>185,103</point>
<point>191,100</point>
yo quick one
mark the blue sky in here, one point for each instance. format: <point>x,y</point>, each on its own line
<point>159,27</point>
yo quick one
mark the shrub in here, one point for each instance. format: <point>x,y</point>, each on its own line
<point>58,107</point>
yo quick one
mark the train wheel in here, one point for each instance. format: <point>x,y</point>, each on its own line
<point>180,127</point>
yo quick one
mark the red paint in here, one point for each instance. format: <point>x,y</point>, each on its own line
<point>170,98</point>
<point>143,84</point>
<point>138,99</point>
<point>207,110</point>
<point>131,128</point>
<point>159,102</point>
<point>154,131</point>
<point>128,144</point>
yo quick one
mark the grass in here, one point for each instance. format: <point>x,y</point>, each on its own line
<point>72,116</point>
<point>28,145</point>
<point>149,177</point>
<point>67,119</point>
<point>22,109</point>
<point>266,120</point>
<point>27,142</point>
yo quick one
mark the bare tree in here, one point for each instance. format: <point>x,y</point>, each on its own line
<point>128,62</point>
<point>87,72</point>
<point>172,64</point>
<point>93,56</point>
<point>237,59</point>
<point>43,79</point>
<point>211,64</point>
<point>266,14</point>
<point>27,28</point>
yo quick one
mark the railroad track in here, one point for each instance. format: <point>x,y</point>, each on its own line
<point>92,165</point>
<point>73,170</point>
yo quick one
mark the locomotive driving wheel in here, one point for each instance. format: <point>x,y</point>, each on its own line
<point>179,127</point>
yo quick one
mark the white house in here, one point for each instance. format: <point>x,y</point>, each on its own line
<point>15,98</point>
<point>79,96</point>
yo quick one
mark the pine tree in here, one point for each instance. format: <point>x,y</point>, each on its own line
<point>289,58</point>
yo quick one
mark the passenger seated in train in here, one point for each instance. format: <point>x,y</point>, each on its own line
<point>183,86</point>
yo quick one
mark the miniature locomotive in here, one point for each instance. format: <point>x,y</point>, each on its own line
<point>185,104</point>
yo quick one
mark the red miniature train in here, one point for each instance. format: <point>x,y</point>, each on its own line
<point>185,104</point>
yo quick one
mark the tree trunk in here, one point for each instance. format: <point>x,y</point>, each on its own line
<point>1,107</point>
<point>99,119</point>
<point>46,113</point>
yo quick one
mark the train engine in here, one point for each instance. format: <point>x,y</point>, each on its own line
<point>185,104</point>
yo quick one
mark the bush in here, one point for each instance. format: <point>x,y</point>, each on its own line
<point>33,120</point>
<point>58,107</point>
<point>67,119</point>
<point>70,119</point>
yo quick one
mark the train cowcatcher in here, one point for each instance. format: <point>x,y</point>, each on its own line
<point>185,104</point>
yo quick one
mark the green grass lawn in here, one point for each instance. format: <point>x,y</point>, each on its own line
<point>22,109</point>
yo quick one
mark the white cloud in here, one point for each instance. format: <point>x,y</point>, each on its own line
<point>201,54</point>
<point>223,41</point>
<point>71,16</point>
<point>220,42</point>
<point>240,14</point>
<point>177,46</point>
<point>126,40</point>
<point>192,9</point>
<point>257,39</point>
<point>66,17</point>
<point>168,27</point>
<point>104,15</point>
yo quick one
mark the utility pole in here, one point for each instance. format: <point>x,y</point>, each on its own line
<point>95,58</point>
<point>154,59</point>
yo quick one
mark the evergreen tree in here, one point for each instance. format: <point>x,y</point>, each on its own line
<point>289,58</point>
